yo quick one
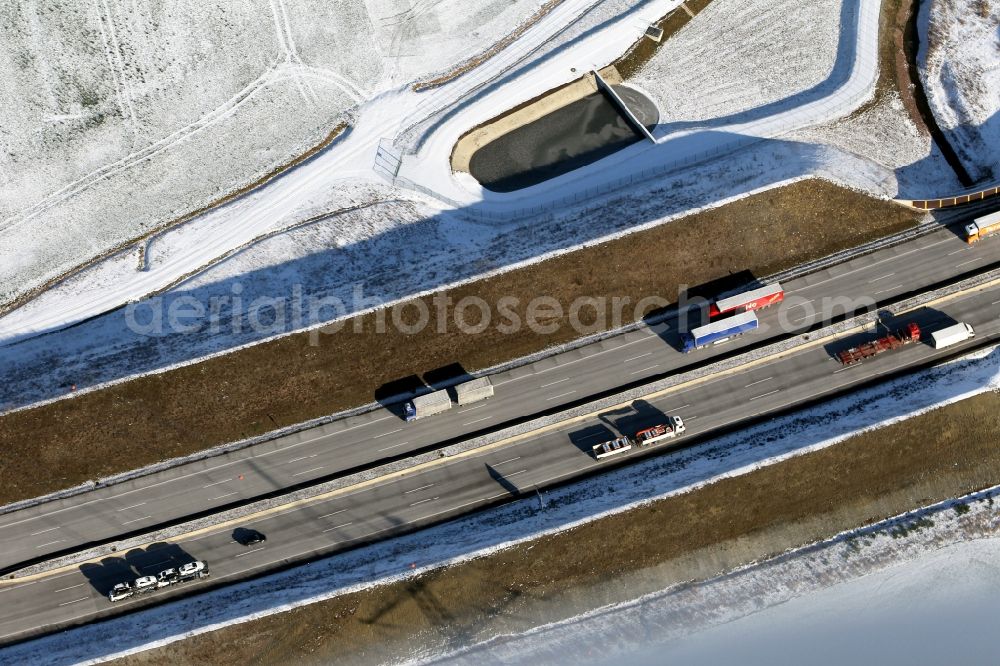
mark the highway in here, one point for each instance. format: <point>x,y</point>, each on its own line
<point>462,483</point>
<point>548,384</point>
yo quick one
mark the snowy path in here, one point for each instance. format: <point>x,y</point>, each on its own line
<point>309,189</point>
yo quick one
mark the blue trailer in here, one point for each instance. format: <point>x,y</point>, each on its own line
<point>718,331</point>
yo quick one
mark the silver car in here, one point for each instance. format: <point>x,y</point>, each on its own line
<point>193,570</point>
<point>145,584</point>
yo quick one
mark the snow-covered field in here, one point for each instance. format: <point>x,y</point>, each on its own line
<point>362,249</point>
<point>118,118</point>
<point>712,71</point>
<point>960,69</point>
<point>937,608</point>
<point>558,510</point>
<point>869,595</point>
<point>363,246</point>
<point>884,134</point>
<point>712,68</point>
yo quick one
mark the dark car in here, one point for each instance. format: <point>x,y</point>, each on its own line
<point>248,537</point>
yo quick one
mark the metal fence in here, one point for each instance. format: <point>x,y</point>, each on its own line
<point>956,200</point>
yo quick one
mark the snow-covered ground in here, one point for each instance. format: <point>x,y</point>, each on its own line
<point>869,595</point>
<point>850,83</point>
<point>884,134</point>
<point>960,69</point>
<point>712,68</point>
<point>938,608</point>
<point>323,182</point>
<point>558,510</point>
<point>363,247</point>
<point>118,118</point>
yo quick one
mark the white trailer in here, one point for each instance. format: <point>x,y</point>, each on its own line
<point>952,335</point>
<point>427,405</point>
<point>474,391</point>
<point>612,448</point>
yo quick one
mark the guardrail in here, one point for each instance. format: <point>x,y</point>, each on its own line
<point>436,455</point>
<point>948,202</point>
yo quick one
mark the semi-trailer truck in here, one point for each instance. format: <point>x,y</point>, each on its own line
<point>888,342</point>
<point>473,391</point>
<point>755,299</point>
<point>952,335</point>
<point>426,405</point>
<point>982,226</point>
<point>718,331</point>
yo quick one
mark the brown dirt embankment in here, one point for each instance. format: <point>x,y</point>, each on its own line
<point>288,380</point>
<point>938,455</point>
<point>643,50</point>
<point>898,71</point>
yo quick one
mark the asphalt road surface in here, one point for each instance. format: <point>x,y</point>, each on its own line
<point>462,484</point>
<point>566,378</point>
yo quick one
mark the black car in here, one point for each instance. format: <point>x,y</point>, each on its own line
<point>248,537</point>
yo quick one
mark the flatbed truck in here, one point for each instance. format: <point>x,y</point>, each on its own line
<point>904,336</point>
<point>674,427</point>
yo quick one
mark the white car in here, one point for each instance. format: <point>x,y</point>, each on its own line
<point>120,591</point>
<point>193,570</point>
<point>145,583</point>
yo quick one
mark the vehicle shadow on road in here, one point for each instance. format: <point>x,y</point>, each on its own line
<point>585,438</point>
<point>137,562</point>
<point>393,394</point>
<point>629,420</point>
<point>504,482</point>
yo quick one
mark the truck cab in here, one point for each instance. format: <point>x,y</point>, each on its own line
<point>971,233</point>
